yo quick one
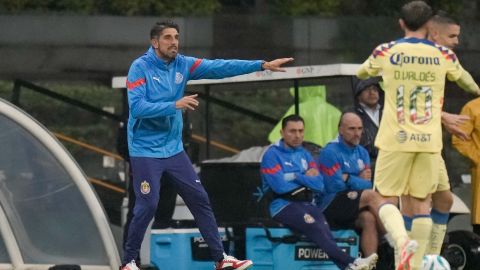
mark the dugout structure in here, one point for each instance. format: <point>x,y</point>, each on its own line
<point>49,213</point>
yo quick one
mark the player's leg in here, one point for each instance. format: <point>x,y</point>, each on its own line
<point>442,201</point>
<point>391,182</point>
<point>146,185</point>
<point>406,209</point>
<point>421,231</point>
<point>423,182</point>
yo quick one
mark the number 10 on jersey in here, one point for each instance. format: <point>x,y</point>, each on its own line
<point>413,107</point>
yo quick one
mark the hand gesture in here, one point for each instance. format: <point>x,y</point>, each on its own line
<point>366,174</point>
<point>187,102</point>
<point>452,123</point>
<point>276,64</point>
<point>311,172</point>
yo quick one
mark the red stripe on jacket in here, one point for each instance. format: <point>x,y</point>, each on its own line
<point>329,171</point>
<point>195,65</point>
<point>131,85</point>
<point>273,170</point>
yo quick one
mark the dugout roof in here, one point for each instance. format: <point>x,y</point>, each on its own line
<point>49,214</point>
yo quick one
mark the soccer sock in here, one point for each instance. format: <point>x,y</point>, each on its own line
<point>408,223</point>
<point>393,222</point>
<point>391,243</point>
<point>439,229</point>
<point>421,231</point>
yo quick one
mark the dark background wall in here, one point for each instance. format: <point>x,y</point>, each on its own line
<point>58,47</point>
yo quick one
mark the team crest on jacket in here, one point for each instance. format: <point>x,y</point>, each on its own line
<point>361,164</point>
<point>304,164</point>
<point>145,187</point>
<point>352,195</point>
<point>308,219</point>
<point>178,78</point>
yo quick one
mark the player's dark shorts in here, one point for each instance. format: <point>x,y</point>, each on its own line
<point>343,210</point>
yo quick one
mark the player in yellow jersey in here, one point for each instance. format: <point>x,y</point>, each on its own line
<point>444,31</point>
<point>410,135</point>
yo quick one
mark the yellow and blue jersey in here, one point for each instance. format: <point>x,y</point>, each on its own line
<point>414,72</point>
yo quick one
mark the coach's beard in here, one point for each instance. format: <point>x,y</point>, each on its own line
<point>172,51</point>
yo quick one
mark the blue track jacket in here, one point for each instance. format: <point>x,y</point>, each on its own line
<point>283,170</point>
<point>336,159</point>
<point>154,124</point>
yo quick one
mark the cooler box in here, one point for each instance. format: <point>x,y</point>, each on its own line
<point>294,253</point>
<point>183,249</point>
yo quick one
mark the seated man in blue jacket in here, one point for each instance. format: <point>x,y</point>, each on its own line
<point>348,200</point>
<point>290,172</point>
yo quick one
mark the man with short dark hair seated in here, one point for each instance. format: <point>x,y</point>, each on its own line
<point>290,172</point>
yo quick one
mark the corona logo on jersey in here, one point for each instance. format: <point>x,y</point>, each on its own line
<point>400,58</point>
<point>145,187</point>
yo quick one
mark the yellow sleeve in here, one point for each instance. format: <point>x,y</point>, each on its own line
<point>454,69</point>
<point>467,83</point>
<point>467,148</point>
<point>456,73</point>
<point>372,66</point>
<point>362,72</point>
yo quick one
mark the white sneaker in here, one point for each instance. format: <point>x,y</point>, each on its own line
<point>367,263</point>
<point>130,266</point>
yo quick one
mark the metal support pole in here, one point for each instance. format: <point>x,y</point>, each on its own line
<point>16,93</point>
<point>296,96</point>
<point>207,120</point>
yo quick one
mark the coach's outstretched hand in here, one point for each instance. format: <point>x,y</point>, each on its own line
<point>187,102</point>
<point>276,64</point>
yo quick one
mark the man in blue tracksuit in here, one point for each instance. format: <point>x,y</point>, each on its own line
<point>156,83</point>
<point>291,174</point>
<point>348,200</point>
